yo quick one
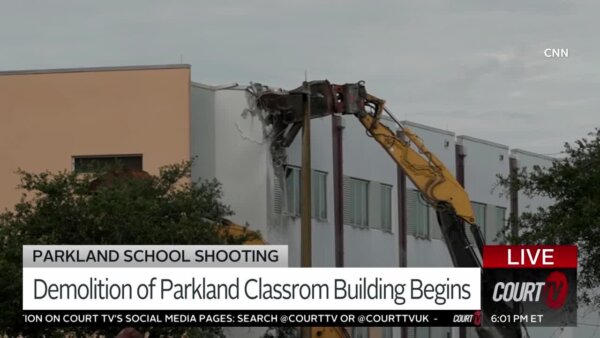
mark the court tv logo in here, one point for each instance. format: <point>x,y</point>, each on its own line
<point>553,291</point>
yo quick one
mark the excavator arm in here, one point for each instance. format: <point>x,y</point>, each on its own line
<point>423,168</point>
<point>429,175</point>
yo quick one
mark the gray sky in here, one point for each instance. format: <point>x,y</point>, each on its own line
<point>475,67</point>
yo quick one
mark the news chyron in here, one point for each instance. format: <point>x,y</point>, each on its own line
<point>530,285</point>
<point>198,285</point>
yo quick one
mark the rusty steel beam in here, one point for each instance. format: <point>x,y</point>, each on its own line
<point>338,189</point>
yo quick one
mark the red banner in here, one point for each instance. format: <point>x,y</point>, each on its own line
<point>529,256</point>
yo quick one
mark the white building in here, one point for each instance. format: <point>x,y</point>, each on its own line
<point>231,145</point>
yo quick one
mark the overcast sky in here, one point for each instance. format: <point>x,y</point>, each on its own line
<point>475,67</point>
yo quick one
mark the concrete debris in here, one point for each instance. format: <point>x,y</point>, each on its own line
<point>272,129</point>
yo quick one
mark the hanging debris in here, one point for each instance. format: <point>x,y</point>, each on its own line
<point>281,111</point>
<point>271,131</point>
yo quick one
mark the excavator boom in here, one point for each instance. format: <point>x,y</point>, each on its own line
<point>422,167</point>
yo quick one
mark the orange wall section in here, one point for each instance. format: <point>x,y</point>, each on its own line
<point>46,118</point>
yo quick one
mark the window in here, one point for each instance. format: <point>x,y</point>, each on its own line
<point>292,188</point>
<point>500,216</point>
<point>479,213</point>
<point>356,202</point>
<point>386,207</point>
<point>319,194</point>
<point>318,191</point>
<point>87,164</point>
<point>386,332</point>
<point>360,332</point>
<point>417,214</point>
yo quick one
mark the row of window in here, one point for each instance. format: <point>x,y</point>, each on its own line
<point>420,222</point>
<point>366,203</point>
<point>356,199</point>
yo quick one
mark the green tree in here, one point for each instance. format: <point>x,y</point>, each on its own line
<point>573,183</point>
<point>106,207</point>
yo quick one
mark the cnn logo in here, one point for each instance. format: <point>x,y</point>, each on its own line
<point>556,52</point>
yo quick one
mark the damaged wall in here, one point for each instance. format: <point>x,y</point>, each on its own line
<point>231,149</point>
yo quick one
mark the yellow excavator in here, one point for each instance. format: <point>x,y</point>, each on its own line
<point>285,113</point>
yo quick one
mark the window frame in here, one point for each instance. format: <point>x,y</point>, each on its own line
<point>294,208</point>
<point>386,191</point>
<point>504,218</point>
<point>481,223</point>
<point>500,223</point>
<point>421,231</point>
<point>319,196</point>
<point>114,157</point>
<point>362,185</point>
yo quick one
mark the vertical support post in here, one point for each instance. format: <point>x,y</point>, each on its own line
<point>338,187</point>
<point>460,164</point>
<point>402,223</point>
<point>305,192</point>
<point>460,155</point>
<point>402,219</point>
<point>513,164</point>
<point>305,189</point>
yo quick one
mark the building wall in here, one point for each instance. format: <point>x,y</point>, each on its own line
<point>202,131</point>
<point>528,160</point>
<point>229,145</point>
<point>484,162</point>
<point>242,162</point>
<point>49,116</point>
<point>363,159</point>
